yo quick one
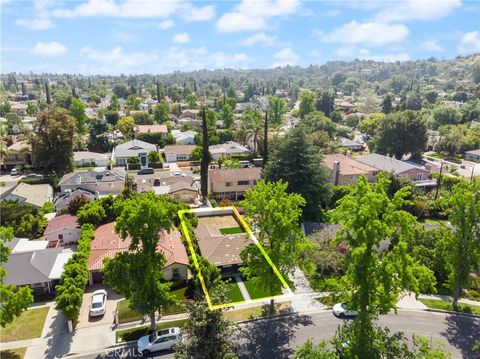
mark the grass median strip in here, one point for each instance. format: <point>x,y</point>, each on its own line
<point>447,305</point>
<point>28,325</point>
<point>18,353</point>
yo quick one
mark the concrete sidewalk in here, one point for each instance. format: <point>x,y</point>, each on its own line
<point>449,298</point>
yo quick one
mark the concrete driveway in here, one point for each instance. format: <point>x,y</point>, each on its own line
<point>84,319</point>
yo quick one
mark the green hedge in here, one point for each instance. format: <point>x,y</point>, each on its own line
<point>74,278</point>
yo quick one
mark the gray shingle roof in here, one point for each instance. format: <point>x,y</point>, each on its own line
<point>133,148</point>
<point>386,163</point>
<point>78,178</point>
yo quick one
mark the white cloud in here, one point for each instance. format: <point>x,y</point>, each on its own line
<point>167,24</point>
<point>205,13</point>
<point>181,38</point>
<point>251,15</point>
<point>117,61</point>
<point>49,48</point>
<point>36,23</point>
<point>133,9</point>
<point>260,38</point>
<point>41,19</point>
<point>367,33</point>
<point>470,43</point>
<point>417,10</point>
<point>431,45</point>
<point>285,57</point>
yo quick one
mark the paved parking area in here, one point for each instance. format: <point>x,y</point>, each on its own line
<point>84,319</point>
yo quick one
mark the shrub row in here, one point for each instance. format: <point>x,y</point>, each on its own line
<point>74,278</point>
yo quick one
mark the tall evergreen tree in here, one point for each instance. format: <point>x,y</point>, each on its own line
<point>158,92</point>
<point>265,140</point>
<point>295,160</point>
<point>47,94</point>
<point>387,105</point>
<point>205,157</point>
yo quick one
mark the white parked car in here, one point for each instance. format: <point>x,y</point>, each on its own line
<point>98,306</point>
<point>163,339</point>
<point>14,172</point>
<point>341,310</point>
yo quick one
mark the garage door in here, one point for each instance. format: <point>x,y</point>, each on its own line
<point>97,277</point>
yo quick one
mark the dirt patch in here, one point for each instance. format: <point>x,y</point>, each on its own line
<point>219,221</point>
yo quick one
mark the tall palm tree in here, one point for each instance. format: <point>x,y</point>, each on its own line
<point>252,124</point>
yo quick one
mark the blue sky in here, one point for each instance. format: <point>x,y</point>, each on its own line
<point>138,36</point>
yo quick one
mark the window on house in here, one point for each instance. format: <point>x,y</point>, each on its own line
<point>243,183</point>
<point>419,177</point>
<point>60,237</point>
<point>175,273</point>
<point>228,184</point>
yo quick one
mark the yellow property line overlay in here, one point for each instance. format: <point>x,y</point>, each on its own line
<point>247,229</point>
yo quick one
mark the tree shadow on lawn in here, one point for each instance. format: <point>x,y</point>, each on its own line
<point>267,339</point>
<point>462,332</point>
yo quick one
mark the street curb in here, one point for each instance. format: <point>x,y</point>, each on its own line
<point>451,312</point>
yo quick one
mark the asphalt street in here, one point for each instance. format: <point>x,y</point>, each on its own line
<point>279,338</point>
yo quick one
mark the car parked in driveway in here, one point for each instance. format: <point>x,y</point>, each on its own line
<point>14,172</point>
<point>162,339</point>
<point>341,310</point>
<point>33,176</point>
<point>146,171</point>
<point>98,306</point>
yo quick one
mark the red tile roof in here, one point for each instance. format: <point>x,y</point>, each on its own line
<point>63,221</point>
<point>152,129</point>
<point>348,166</point>
<point>237,174</point>
<point>107,244</point>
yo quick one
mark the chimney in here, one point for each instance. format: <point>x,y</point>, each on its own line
<point>336,172</point>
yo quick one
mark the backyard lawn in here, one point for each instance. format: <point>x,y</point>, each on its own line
<point>447,305</point>
<point>231,230</point>
<point>28,325</point>
<point>18,353</point>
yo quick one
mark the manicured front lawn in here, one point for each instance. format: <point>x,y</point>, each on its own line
<point>28,325</point>
<point>18,353</point>
<point>255,312</point>
<point>256,291</point>
<point>127,335</point>
<point>446,305</point>
<point>231,230</point>
<point>233,292</point>
<point>180,290</point>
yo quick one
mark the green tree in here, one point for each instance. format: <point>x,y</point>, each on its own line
<point>126,125</point>
<point>92,213</point>
<point>138,273</point>
<point>112,117</point>
<point>275,214</point>
<point>210,335</point>
<point>464,241</point>
<point>367,217</point>
<point>76,203</point>
<point>431,96</point>
<point>326,102</point>
<point>98,139</point>
<point>401,133</point>
<point>32,109</point>
<point>277,107</point>
<point>160,114</point>
<point>77,110</point>
<point>446,115</point>
<point>206,157</point>
<point>191,101</point>
<point>307,103</point>
<point>47,94</point>
<point>196,154</point>
<point>5,108</point>
<point>133,102</point>
<point>295,161</point>
<point>52,144</point>
<point>252,125</point>
<point>121,90</point>
<point>14,300</point>
<point>227,115</point>
<point>476,73</point>
<point>142,118</point>
<point>114,103</point>
<point>387,105</point>
<point>154,157</point>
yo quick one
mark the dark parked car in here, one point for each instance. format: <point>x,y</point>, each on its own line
<point>146,171</point>
<point>33,176</point>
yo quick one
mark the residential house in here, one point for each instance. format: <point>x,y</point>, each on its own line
<point>178,185</point>
<point>242,106</point>
<point>191,122</point>
<point>39,269</point>
<point>107,243</point>
<point>401,168</point>
<point>134,148</point>
<point>21,245</point>
<point>175,153</point>
<point>473,155</point>
<point>18,154</point>
<point>232,183</point>
<point>87,158</point>
<point>190,114</point>
<point>227,150</point>
<point>345,170</point>
<point>185,137</point>
<point>103,182</point>
<point>62,201</point>
<point>351,145</point>
<point>64,229</point>
<point>35,194</point>
<point>161,129</point>
<point>18,108</point>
